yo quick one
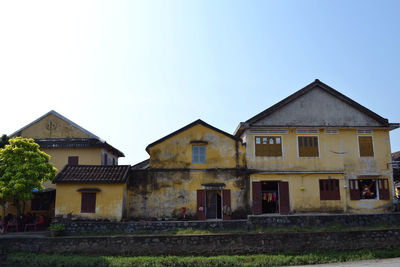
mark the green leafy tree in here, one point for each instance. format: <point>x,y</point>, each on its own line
<point>3,141</point>
<point>23,167</point>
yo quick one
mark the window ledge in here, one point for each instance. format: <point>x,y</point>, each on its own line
<point>199,142</point>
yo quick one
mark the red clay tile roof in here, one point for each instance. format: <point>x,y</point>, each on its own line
<point>93,174</point>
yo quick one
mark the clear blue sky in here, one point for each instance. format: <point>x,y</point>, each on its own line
<point>133,71</point>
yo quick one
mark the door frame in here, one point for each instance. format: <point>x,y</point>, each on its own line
<point>279,197</point>
<point>214,187</point>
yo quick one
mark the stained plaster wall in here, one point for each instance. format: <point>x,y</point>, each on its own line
<point>109,201</point>
<point>318,108</point>
<point>52,126</point>
<point>338,158</point>
<point>176,152</point>
<point>163,193</point>
<point>172,180</point>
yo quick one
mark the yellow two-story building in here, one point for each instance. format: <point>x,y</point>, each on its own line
<point>318,151</point>
<point>67,143</point>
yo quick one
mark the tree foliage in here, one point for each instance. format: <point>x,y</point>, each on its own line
<point>3,141</point>
<point>23,167</point>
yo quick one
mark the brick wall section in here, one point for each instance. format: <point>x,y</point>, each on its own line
<point>215,244</point>
<point>73,227</point>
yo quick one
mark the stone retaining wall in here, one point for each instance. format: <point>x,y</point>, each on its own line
<point>215,244</point>
<point>73,227</point>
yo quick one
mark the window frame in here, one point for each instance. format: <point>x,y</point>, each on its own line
<point>329,194</point>
<point>269,135</point>
<point>199,154</point>
<point>373,147</point>
<point>86,210</point>
<point>298,148</point>
<point>73,158</point>
<point>382,189</point>
<point>377,196</point>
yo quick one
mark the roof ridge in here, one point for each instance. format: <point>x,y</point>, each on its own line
<point>190,125</point>
<point>308,88</point>
<point>61,117</point>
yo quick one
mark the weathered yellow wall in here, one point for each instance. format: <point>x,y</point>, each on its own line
<point>59,157</point>
<point>176,152</point>
<point>304,191</point>
<point>337,153</point>
<point>162,194</point>
<point>87,156</point>
<point>109,201</point>
<point>52,126</point>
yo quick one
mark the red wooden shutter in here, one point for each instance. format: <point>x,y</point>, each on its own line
<point>329,189</point>
<point>201,204</point>
<point>322,190</point>
<point>336,192</point>
<point>88,204</point>
<point>257,204</point>
<point>383,189</point>
<point>284,204</point>
<point>226,199</point>
<point>354,190</point>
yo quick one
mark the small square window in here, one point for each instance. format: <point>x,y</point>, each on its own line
<point>258,140</point>
<point>73,160</point>
<point>271,141</point>
<point>198,154</point>
<point>270,147</point>
<point>308,146</point>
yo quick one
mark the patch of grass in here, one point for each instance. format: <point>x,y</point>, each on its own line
<point>191,231</point>
<point>31,259</point>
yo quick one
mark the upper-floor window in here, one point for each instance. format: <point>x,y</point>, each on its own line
<point>308,146</point>
<point>268,146</point>
<point>198,154</point>
<point>105,159</point>
<point>73,160</point>
<point>366,147</point>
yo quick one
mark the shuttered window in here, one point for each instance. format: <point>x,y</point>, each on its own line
<point>383,189</point>
<point>366,147</point>
<point>73,160</point>
<point>198,154</point>
<point>367,189</point>
<point>268,146</point>
<point>354,189</point>
<point>88,204</point>
<point>329,189</point>
<point>308,146</point>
